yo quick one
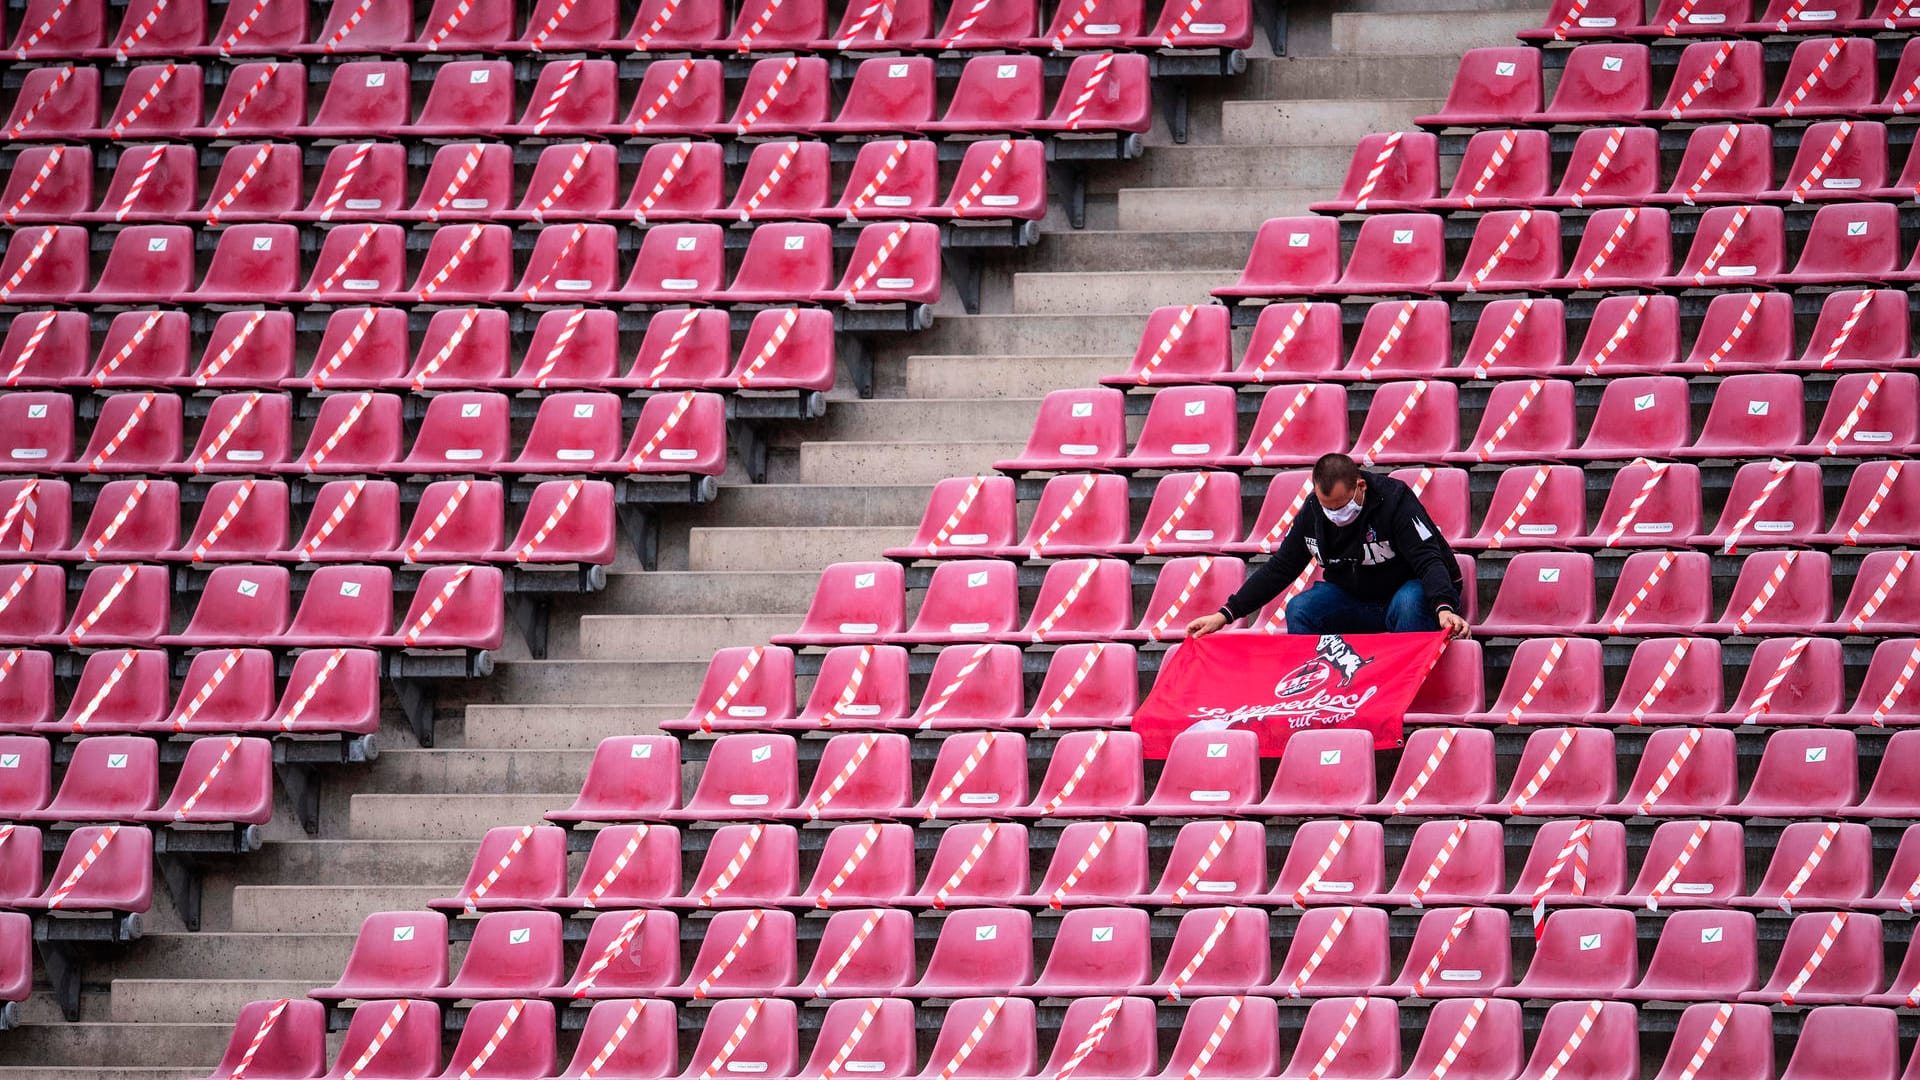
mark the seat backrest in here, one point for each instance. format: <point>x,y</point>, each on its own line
<point>1631,333</point>
<point>26,783</point>
<point>1356,861</point>
<point>1610,1049</point>
<point>1410,173</point>
<point>131,519</point>
<point>744,772</point>
<point>1729,73</point>
<point>973,685</point>
<point>783,94</point>
<point>1475,957</point>
<point>1603,80</point>
<point>897,176</point>
<point>679,260</point>
<point>1650,504</point>
<point>224,690</point>
<point>857,599</point>
<point>1745,331</point>
<point>1494,85</point>
<point>1704,781</point>
<point>1741,1038</point>
<point>999,873</point>
<point>572,95</point>
<point>689,95</point>
<point>1622,247</point>
<point>1693,690</point>
<point>1639,416</point>
<point>1806,768</point>
<point>1611,164</point>
<point>1107,690</point>
<point>1512,249</point>
<point>1109,768</point>
<point>1725,163</point>
<point>468,429</point>
<point>352,519</point>
<point>516,866</point>
<point>171,187</point>
<point>331,690</point>
<point>345,605</point>
<point>1429,429</point>
<point>1495,1045</point>
<point>1781,591</point>
<point>643,1046</point>
<point>1713,866</point>
<point>241,604</point>
<point>573,180</point>
<point>890,94</point>
<point>454,521</point>
<point>121,605</point>
<point>293,1044</point>
<point>1464,771</point>
<point>55,101</point>
<point>1837,75</point>
<point>40,610</point>
<point>997,92</point>
<point>405,1033</point>
<point>1660,590</point>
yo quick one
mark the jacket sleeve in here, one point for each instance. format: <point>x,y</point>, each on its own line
<point>1419,542</point>
<point>1270,578</point>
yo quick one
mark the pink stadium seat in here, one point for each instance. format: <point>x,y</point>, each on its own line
<point>1631,334</point>
<point>611,878</point>
<point>1778,592</point>
<point>863,27</point>
<point>157,101</point>
<point>1525,421</point>
<point>1327,771</point>
<point>1400,338</point>
<point>765,694</point>
<point>368,262</point>
<point>1237,1035</point>
<point>1075,428</point>
<point>1582,952</point>
<point>131,520</point>
<point>1733,245</point>
<point>1290,341</point>
<point>41,610</point>
<point>1491,86</point>
<point>1409,422</point>
<point>1207,774</point>
<point>1731,78</point>
<point>861,865</point>
<point>681,98</point>
<point>683,348</point>
<point>170,190</point>
<point>1224,947</point>
<point>1214,861</point>
<point>26,694</point>
<point>505,1038</point>
<point>1609,167</point>
<point>1620,249</point>
<point>1659,592</point>
<point>351,27</point>
<point>1095,950</point>
<point>1638,416</point>
<point>1180,344</point>
<point>881,1030</point>
<point>147,264</point>
<point>1897,611</point>
<point>1897,892</point>
<point>466,182</point>
<point>1111,777</point>
<point>629,1037</point>
<point>38,432</point>
<point>1826,959</point>
<point>1472,1038</point>
<point>886,95</point>
<point>1866,415</point>
<point>255,183</point>
<point>996,876</point>
<point>1348,1039</point>
<point>576,348</point>
<point>762,944</point>
<point>1703,782</point>
<point>366,96</point>
<point>294,1043</point>
<point>1687,696</point>
<point>451,26</point>
<point>26,783</point>
<point>1858,329</point>
<point>1722,1041</point>
<point>335,690</point>
<point>343,606</point>
<point>1296,425</point>
<point>222,781</point>
<point>119,691</point>
<point>1190,513</point>
<point>243,433</point>
<point>1350,944</point>
<point>367,526</point>
<point>246,350</point>
<point>48,29</point>
<point>1849,242</point>
<point>971,687</point>
<point>853,602</point>
<point>1816,865</point>
<point>1602,82</point>
<point>974,776</point>
<point>1355,860</point>
<point>1679,871</point>
<point>781,96</point>
<point>224,690</point>
<point>465,264</point>
<point>238,605</point>
<point>890,263</point>
<point>361,347</point>
<point>456,607</point>
<point>266,99</point>
<point>249,260</point>
<point>1102,697</point>
<point>783,179</point>
<point>1723,163</point>
<point>1444,962</point>
<point>1541,506</point>
<point>404,1033</point>
<point>893,178</point>
<point>119,876</point>
<point>1542,592</point>
<point>1783,17</point>
<point>572,431</point>
<point>463,430</point>
<point>570,97</point>
<point>1516,337</point>
<point>54,103</point>
<point>1077,26</point>
<point>1409,177</point>
<point>1395,253</point>
<point>1562,771</point>
<point>743,772</point>
<point>1291,256</point>
<point>663,444</point>
<point>1186,588</point>
<point>531,865</point>
<point>1846,1041</point>
<point>768,26</point>
<point>1827,77</point>
<point>1837,159</point>
<point>995,25</point>
<point>860,775</point>
<point>1461,779</point>
<point>1864,514</point>
<point>119,605</point>
<point>141,348</point>
<point>631,778</point>
<point>1185,426</point>
<point>1449,861</point>
<point>570,181</point>
<point>359,182</point>
<point>566,521</point>
<point>965,515</point>
<point>1102,92</point>
<point>1882,698</point>
<point>676,263</point>
<point>1095,863</point>
<point>1800,770</point>
<point>1765,506</point>
<point>512,954</point>
<point>44,349</point>
<point>626,953</point>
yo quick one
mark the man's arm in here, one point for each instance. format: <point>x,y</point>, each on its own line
<point>1418,541</point>
<point>1270,578</point>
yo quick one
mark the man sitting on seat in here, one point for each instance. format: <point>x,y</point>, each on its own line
<point>1385,568</point>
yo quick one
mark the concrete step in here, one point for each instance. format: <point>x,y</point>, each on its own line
<point>343,862</point>
<point>1149,248</point>
<point>581,682</point>
<point>1110,329</point>
<point>1012,376</point>
<point>1444,32</point>
<point>470,771</point>
<point>924,462</point>
<point>1322,164</point>
<point>579,727</point>
<point>327,909</point>
<point>682,592</point>
<point>1318,122</point>
<point>197,1001</point>
<point>973,418</point>
<point>1241,209</point>
<point>1349,77</point>
<point>810,548</point>
<point>81,1047</point>
<point>692,638</point>
<point>815,504</point>
<point>450,817</point>
<point>276,955</point>
<point>1128,290</point>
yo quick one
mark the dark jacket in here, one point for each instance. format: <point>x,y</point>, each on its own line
<point>1392,541</point>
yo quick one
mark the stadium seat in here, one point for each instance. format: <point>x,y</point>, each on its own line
<point>171,188</point>
<point>1491,86</point>
<point>1003,179</point>
<point>676,263</point>
<point>1737,1040</point>
<point>1326,772</point>
<point>1562,771</point>
<point>1207,774</point>
<point>1456,953</point>
<point>117,874</point>
<point>329,691</point>
<point>26,694</point>
<point>683,348</point>
<point>865,28</point>
<point>861,865</point>
<point>1090,26</point>
<point>1778,592</point>
<point>1103,92</point>
<point>572,431</point>
<point>224,690</point>
<point>246,350</point>
<point>1631,334</point>
<point>1789,680</point>
<point>1882,698</point>
<point>1291,256</point>
<point>1858,330</point>
<point>1658,592</point>
<point>1409,422</point>
<point>26,784</point>
<point>1609,167</point>
<point>1458,780</point>
<point>157,101</point>
<point>628,1038</point>
<point>890,95</point>
<point>1543,506</point>
<point>463,348</point>
<point>1827,77</point>
<point>1867,513</point>
<point>744,953</point>
<point>781,96</point>
<point>859,775</point>
<point>1723,163</point>
<point>1837,160</point>
<point>1354,856</point>
<point>1582,952</point>
<point>48,29</point>
<point>1449,862</point>
<point>1847,243</point>
<point>1214,951</point>
<point>1826,958</point>
<point>465,182</point>
<point>455,607</point>
<point>1816,865</point>
<point>743,772</point>
<point>1879,597</point>
<point>1296,424</point>
<point>465,265</point>
<point>997,24</point>
<point>1770,502</point>
<point>1511,251</point>
<point>507,1038</point>
<point>343,606</point>
<point>1472,1038</point>
<point>1408,177</point>
<point>466,96</point>
<point>890,263</point>
<point>1619,249</point>
<point>1703,780</point>
<point>626,953</point>
<point>363,263</point>
<point>1504,167</point>
<point>398,954</point>
<point>567,260</point>
<point>512,954</point>
<point>514,867</point>
<point>1087,685</point>
<point>677,180</point>
<point>1095,863</point>
<point>20,864</point>
<point>405,1033</point>
<point>45,349</point>
<point>1107,777</point>
<point>250,260</point>
<point>678,99</point>
<point>119,690</point>
<point>42,606</point>
<point>243,433</point>
<point>852,603</point>
<point>141,348</point>
<point>1096,950</point>
<point>1186,588</point>
<point>1602,83</point>
<point>1186,426</point>
<point>461,430</point>
<point>285,1038</point>
<point>353,521</point>
<point>570,97</point>
<point>1180,344</point>
<point>566,521</point>
<point>965,515</point>
<point>971,687</point>
<point>264,99</point>
<point>1542,592</point>
<point>1800,770</point>
<point>633,777</point>
<point>1639,416</point>
<point>255,183</point>
<point>1525,421</point>
<point>995,875</point>
<point>1213,861</point>
<point>764,693</point>
<point>966,600</point>
<point>118,605</point>
<point>575,348</point>
<point>222,781</point>
<point>1733,245</point>
<point>1348,1038</point>
<point>1605,1030</point>
<point>1648,693</point>
<point>1842,1040</point>
<point>1516,337</point>
<point>147,264</point>
<point>54,103</point>
<point>1191,513</point>
<point>1689,864</point>
<point>360,348</point>
<point>38,431</point>
<point>881,1030</point>
<point>1400,339</point>
<point>1861,419</point>
<point>131,520</point>
<point>359,182</point>
<point>1730,78</point>
<point>1075,429</point>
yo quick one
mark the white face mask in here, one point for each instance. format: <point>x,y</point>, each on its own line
<point>1345,515</point>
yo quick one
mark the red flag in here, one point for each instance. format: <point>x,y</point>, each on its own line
<point>1279,684</point>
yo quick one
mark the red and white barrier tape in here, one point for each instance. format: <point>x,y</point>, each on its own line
<point>734,685</point>
<point>1094,78</point>
<point>720,1060</point>
<point>206,782</point>
<point>1704,79</point>
<point>1440,747</point>
<point>1495,162</point>
<point>1295,988</point>
<point>1199,958</point>
<point>40,32</point>
<point>312,688</point>
<point>105,690</point>
<point>267,1022</point>
<point>23,511</point>
<point>1799,95</point>
<point>1454,931</point>
<point>1687,851</point>
<point>1340,1037</point>
<point>768,96</point>
<point>27,264</point>
<point>840,780</point>
<point>852,1041</point>
<point>471,902</point>
<point>1215,1038</point>
<point>724,880</point>
<point>1640,595</point>
<point>232,348</point>
<point>987,833</point>
<point>92,619</point>
<point>1575,853</point>
<point>672,421</point>
<point>1817,958</point>
<point>1881,592</point>
<point>207,689</point>
<point>127,350</point>
<point>347,26</point>
<point>1680,755</point>
<point>1729,135</point>
<point>1587,276</point>
<point>1096,1032</point>
<point>1388,147</point>
<point>617,945</point>
<point>32,346</point>
<point>438,604</point>
<point>101,543</point>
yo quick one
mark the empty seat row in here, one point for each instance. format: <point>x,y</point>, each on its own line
<point>1703,955</point>
<point>248,521</point>
<point>1568,20</point>
<point>1418,422</point>
<point>1814,866</point>
<point>102,868</point>
<point>461,349</point>
<point>1620,166</point>
<point>1102,92</point>
<point>1353,1038</point>
<point>1648,504</point>
<point>117,778</point>
<point>1857,329</point>
<point>455,607</point>
<point>1621,249</point>
<point>52,29</point>
<point>892,262</point>
<point>1714,80</point>
<point>676,181</point>
<point>225,691</point>
<point>466,431</point>
<point>1099,774</point>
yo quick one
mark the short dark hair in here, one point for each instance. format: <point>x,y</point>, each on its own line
<point>1333,470</point>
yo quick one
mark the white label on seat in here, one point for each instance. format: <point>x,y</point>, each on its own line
<point>1103,933</point>
<point>985,933</point>
<point>1643,528</point>
<point>980,798</point>
<point>1460,975</point>
<point>1589,942</point>
<point>896,71</point>
<point>360,284</point>
<point>1196,408</point>
<point>1846,183</point>
<point>997,200</point>
<point>863,581</point>
<point>893,200</point>
<point>1707,18</point>
<point>1403,236</point>
<point>470,204</point>
<point>682,454</point>
<point>679,284</point>
<point>967,628</point>
<point>1082,409</point>
<point>1079,449</point>
<point>363,204</point>
<point>519,935</point>
<point>859,627</point>
<point>747,1066</point>
<point>463,455</point>
<point>795,243</point>
<point>1693,888</point>
<point>866,1066</point>
<point>1329,757</point>
<point>1816,754</point>
<point>642,750</point>
<point>573,285</point>
<point>1816,16</point>
<point>1773,526</point>
<point>1298,239</point>
<point>1008,71</point>
<point>245,455</point>
<point>249,588</point>
<point>1873,436</point>
<point>156,243</point>
<point>1539,530</point>
<point>403,933</point>
<point>1757,408</point>
<point>760,754</point>
<point>1207,28</point>
<point>1192,534</point>
<point>9,761</point>
<point>1209,796</point>
<point>1102,28</point>
<point>583,410</point>
<point>1216,886</point>
<point>25,454</point>
<point>862,710</point>
<point>36,412</point>
<point>1504,69</point>
<point>1598,22</point>
<point>684,243</point>
<point>1216,749</point>
<point>573,455</point>
<point>475,78</point>
<point>263,243</point>
<point>1712,935</point>
<point>1549,574</point>
<point>1332,886</point>
<point>469,410</point>
<point>1610,63</point>
<point>976,579</point>
<point>744,711</point>
<point>1856,228</point>
<point>1642,402</point>
<point>1737,271</point>
<point>116,761</point>
<point>1186,448</point>
<point>350,589</point>
<point>747,800</point>
<point>967,539</point>
<point>376,78</point>
<point>895,283</point>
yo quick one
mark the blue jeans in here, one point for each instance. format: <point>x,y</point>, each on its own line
<point>1329,609</point>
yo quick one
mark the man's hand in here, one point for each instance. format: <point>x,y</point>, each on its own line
<point>1206,624</point>
<point>1454,625</point>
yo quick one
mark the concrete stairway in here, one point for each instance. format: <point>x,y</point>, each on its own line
<point>403,829</point>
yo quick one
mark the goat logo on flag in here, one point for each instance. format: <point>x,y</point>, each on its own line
<point>1226,682</point>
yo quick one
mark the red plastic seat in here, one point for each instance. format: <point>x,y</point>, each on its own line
<point>238,605</point>
<point>1619,249</point>
<point>676,264</point>
<point>676,180</point>
<point>1186,426</point>
<point>222,781</point>
<point>1471,1038</point>
<point>975,775</point>
<point>1491,86</point>
<point>1111,777</point>
<point>1688,695</point>
<point>570,97</point>
<point>1826,958</point>
<point>995,876</point>
<point>629,1037</point>
<point>566,521</point>
<point>1601,83</point>
<point>996,24</point>
<point>1095,950</point>
<point>1542,592</point>
<point>860,775</point>
<point>1882,698</point>
<point>1180,344</point>
<point>569,181</point>
<point>44,349</point>
<point>266,99</point>
<point>781,96</point>
<point>1396,170</point>
<point>463,430</point>
<point>862,953</point>
<point>631,778</point>
<point>891,263</point>
<point>861,865</point>
<point>971,687</point>
<point>359,182</point>
<point>56,103</point>
<point>1395,253</point>
<point>131,520</point>
<point>1689,864</point>
<point>53,183</point>
<point>109,778</point>
<point>1527,421</point>
<point>1409,422</point>
<point>352,521</point>
<point>119,605</point>
<point>1732,245</point>
<point>997,93</point>
<point>879,26</point>
<point>512,954</point>
<point>1639,416</point>
<point>1723,163</point>
<point>246,350</point>
<point>853,601</point>
<point>120,690</point>
<point>1561,771</point>
<point>1457,953</point>
<point>147,264</point>
<point>1075,428</point>
<point>367,262</point>
<point>225,690</point>
<point>1400,338</point>
<point>577,348</point>
<point>255,183</point>
<point>343,606</point>
<point>1078,513</point>
<point>292,1043</point>
<point>1502,167</point>
<point>1449,862</point>
<point>141,348</point>
<point>26,783</point>
<point>1849,242</point>
<point>1348,1038</point>
<point>26,694</point>
<point>505,1038</point>
<point>1703,777</point>
<point>48,28</point>
<point>40,610</point>
<point>1296,256</point>
<point>572,431</point>
<point>1631,334</point>
<point>250,260</point>
<point>965,515</point>
<point>1770,502</point>
<point>1104,92</point>
<point>466,182</point>
<point>361,347</point>
<point>1801,771</point>
<point>1827,77</point>
<point>1582,952</point>
<point>1779,592</point>
<point>1857,329</point>
<point>1730,79</point>
<point>404,1033</point>
<point>352,26</point>
<point>1511,251</point>
<point>1659,592</point>
<point>1460,781</point>
<point>1898,891</point>
<point>1208,773</point>
<point>157,101</point>
<point>1845,1041</point>
<point>102,868</point>
<point>465,264</point>
<point>677,434</point>
<point>1837,159</point>
<point>456,607</point>
<point>1186,588</point>
<point>452,26</point>
<point>1543,506</point>
<point>626,953</point>
<point>329,691</point>
<point>1816,865</point>
<point>1090,26</point>
<point>514,867</point>
<point>243,433</point>
<point>745,772</point>
<point>997,179</point>
<point>886,95</point>
<point>681,98</point>
<point>1882,596</point>
<point>1191,513</point>
<point>764,692</point>
<point>1867,414</point>
<point>1334,951</point>
<point>1212,862</point>
<point>1102,696</point>
<point>1215,951</point>
<point>744,953</point>
<point>1327,772</point>
<point>1609,167</point>
<point>1296,425</point>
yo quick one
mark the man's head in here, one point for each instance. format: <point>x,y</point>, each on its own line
<point>1341,489</point>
